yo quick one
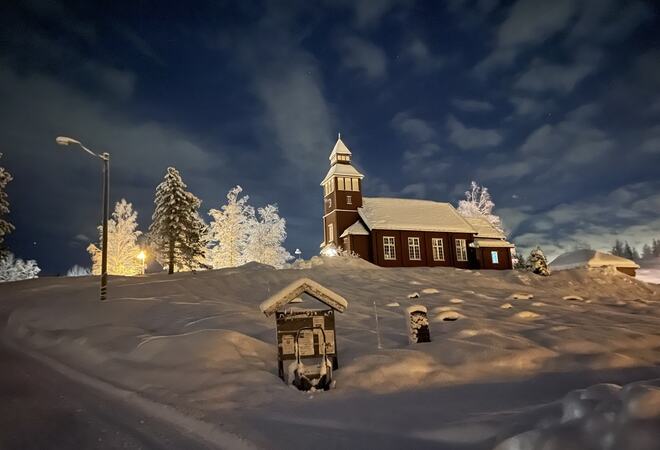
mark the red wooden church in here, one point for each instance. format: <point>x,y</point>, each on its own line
<point>394,232</point>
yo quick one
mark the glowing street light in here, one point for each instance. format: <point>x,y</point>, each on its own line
<point>105,157</point>
<point>142,256</point>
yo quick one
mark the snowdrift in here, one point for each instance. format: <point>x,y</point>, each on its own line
<point>501,342</point>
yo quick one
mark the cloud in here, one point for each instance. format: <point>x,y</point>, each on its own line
<point>471,138</point>
<point>542,76</point>
<point>628,212</point>
<point>369,13</point>
<point>417,190</point>
<point>363,56</point>
<point>531,107</point>
<point>413,127</point>
<point>469,105</point>
<point>651,142</point>
<point>525,26</point>
<point>422,58</point>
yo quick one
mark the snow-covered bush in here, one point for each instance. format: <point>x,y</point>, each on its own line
<point>12,269</point>
<point>122,243</point>
<point>5,226</point>
<point>78,271</point>
<point>537,263</point>
<point>239,236</point>
<point>478,203</point>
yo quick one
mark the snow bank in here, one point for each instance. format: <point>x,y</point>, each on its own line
<point>200,342</point>
<point>600,417</point>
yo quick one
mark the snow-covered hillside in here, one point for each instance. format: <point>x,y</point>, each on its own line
<point>505,345</point>
<point>649,270</point>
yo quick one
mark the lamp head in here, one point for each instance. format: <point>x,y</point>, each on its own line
<point>63,140</point>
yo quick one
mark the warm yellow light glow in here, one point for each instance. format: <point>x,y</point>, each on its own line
<point>142,256</point>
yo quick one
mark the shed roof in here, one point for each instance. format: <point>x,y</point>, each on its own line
<point>379,213</point>
<point>484,228</point>
<point>356,229</point>
<point>491,243</point>
<point>299,287</point>
<point>590,258</point>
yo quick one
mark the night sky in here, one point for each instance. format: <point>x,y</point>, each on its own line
<point>553,105</point>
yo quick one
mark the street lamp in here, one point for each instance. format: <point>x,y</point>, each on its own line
<point>105,157</point>
<point>142,256</point>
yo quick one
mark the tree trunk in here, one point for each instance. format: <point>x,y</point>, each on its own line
<point>171,257</point>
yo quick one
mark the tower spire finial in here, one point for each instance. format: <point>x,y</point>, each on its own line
<point>338,135</point>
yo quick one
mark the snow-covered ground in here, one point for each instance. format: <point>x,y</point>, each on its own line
<point>506,348</point>
<point>649,270</point>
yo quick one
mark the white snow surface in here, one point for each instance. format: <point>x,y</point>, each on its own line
<point>590,258</point>
<point>649,271</point>
<point>198,342</point>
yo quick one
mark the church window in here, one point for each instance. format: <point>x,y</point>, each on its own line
<point>438,249</point>
<point>331,232</point>
<point>461,250</point>
<point>414,252</point>
<point>349,200</point>
<point>340,182</point>
<point>389,248</point>
<point>356,187</point>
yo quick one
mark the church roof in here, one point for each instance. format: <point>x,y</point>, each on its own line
<point>356,229</point>
<point>342,170</point>
<point>380,213</point>
<point>590,258</point>
<point>339,149</point>
<point>484,229</point>
<point>491,243</point>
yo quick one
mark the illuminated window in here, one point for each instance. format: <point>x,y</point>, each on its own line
<point>389,247</point>
<point>349,200</point>
<point>414,252</point>
<point>438,249</point>
<point>340,184</point>
<point>356,186</point>
<point>494,257</point>
<point>331,232</point>
<point>461,250</point>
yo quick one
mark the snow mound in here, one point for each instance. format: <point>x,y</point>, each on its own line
<point>393,304</point>
<point>430,291</point>
<point>506,306</point>
<point>455,301</point>
<point>527,315</point>
<point>601,417</point>
<point>449,316</point>
<point>414,295</point>
<point>521,296</point>
<point>573,297</point>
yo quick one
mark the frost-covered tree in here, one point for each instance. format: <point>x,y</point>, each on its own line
<point>12,269</point>
<point>656,248</point>
<point>177,232</point>
<point>229,231</point>
<point>5,226</point>
<point>647,252</point>
<point>78,271</point>
<point>537,263</point>
<point>630,252</point>
<point>267,232</point>
<point>478,203</point>
<point>617,248</point>
<point>122,243</point>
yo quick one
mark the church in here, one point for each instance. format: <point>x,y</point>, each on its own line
<point>396,232</point>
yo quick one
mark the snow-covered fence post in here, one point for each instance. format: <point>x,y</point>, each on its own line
<point>418,324</point>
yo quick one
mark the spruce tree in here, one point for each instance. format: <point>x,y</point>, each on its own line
<point>617,249</point>
<point>537,262</point>
<point>177,232</point>
<point>5,226</point>
<point>656,248</point>
<point>647,252</point>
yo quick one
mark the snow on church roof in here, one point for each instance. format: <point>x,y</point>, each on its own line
<point>590,258</point>
<point>407,214</point>
<point>299,287</point>
<point>339,149</point>
<point>356,229</point>
<point>342,170</point>
<point>484,229</point>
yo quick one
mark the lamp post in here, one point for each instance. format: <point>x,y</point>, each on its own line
<point>105,157</point>
<point>142,256</point>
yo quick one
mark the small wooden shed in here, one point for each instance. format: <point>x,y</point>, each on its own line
<point>291,319</point>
